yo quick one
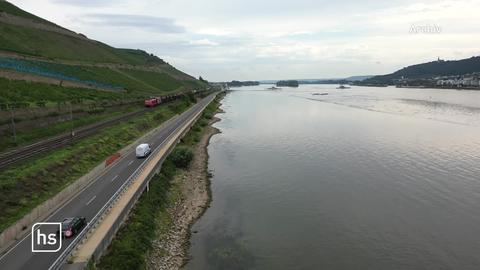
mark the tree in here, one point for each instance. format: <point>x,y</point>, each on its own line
<point>182,156</point>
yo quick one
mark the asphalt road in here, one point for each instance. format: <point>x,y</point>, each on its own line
<point>89,201</point>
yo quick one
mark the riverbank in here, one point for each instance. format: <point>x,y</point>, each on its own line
<point>170,249</point>
<point>156,234</point>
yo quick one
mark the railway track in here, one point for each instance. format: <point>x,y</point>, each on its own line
<point>29,151</point>
<point>44,146</point>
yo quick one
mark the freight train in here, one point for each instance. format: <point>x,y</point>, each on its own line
<point>155,101</point>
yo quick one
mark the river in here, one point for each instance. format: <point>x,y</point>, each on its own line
<point>361,178</point>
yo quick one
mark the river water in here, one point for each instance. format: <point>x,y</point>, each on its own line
<point>361,178</point>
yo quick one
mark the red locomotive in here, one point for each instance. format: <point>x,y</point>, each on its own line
<point>155,101</point>
<point>152,102</point>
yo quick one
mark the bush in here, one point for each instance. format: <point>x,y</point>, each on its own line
<point>208,115</point>
<point>203,123</point>
<point>134,240</point>
<point>143,125</point>
<point>182,156</point>
<point>41,103</point>
<point>190,97</point>
<point>158,117</point>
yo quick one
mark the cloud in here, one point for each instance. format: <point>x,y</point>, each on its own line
<point>203,42</point>
<point>151,23</point>
<point>251,39</point>
<point>215,31</point>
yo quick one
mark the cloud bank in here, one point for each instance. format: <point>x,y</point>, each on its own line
<point>270,39</point>
<point>149,23</point>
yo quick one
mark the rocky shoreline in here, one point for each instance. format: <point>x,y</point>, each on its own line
<point>170,249</point>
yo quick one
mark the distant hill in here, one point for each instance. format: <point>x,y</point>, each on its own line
<point>242,83</point>
<point>35,50</point>
<point>289,83</point>
<point>358,78</point>
<point>429,70</point>
<point>326,81</point>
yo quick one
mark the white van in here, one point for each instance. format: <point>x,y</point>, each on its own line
<point>142,150</point>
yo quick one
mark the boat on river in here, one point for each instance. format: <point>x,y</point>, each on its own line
<point>343,87</point>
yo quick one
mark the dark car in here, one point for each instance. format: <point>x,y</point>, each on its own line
<point>72,226</point>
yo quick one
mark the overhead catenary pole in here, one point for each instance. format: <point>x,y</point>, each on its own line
<point>72,133</point>
<point>14,131</point>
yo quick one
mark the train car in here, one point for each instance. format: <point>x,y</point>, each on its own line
<point>151,102</point>
<point>155,101</point>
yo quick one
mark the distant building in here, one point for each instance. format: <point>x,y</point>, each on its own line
<point>467,80</point>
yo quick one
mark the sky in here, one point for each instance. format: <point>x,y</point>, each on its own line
<point>223,40</point>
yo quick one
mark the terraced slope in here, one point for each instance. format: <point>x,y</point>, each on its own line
<point>41,53</point>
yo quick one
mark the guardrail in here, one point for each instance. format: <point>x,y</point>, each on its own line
<point>98,217</point>
<point>18,230</point>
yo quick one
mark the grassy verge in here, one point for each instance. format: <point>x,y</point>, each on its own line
<point>23,91</point>
<point>134,82</point>
<point>25,186</point>
<point>150,216</point>
<point>158,80</point>
<point>32,135</point>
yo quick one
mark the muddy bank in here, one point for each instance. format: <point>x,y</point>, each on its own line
<point>170,249</point>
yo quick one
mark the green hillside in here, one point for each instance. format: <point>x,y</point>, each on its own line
<point>429,70</point>
<point>33,48</point>
<point>52,45</point>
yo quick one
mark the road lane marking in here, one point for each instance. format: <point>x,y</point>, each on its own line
<point>114,178</point>
<point>91,200</point>
<point>175,119</point>
<point>130,163</point>
<point>144,161</point>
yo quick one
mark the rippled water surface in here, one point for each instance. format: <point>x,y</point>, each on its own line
<point>362,178</point>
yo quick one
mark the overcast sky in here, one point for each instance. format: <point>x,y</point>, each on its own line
<point>273,39</point>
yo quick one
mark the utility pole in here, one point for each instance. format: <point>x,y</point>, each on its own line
<point>13,126</point>
<point>72,133</point>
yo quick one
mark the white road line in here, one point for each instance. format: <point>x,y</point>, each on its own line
<point>114,178</point>
<point>130,163</point>
<point>166,123</point>
<point>91,200</point>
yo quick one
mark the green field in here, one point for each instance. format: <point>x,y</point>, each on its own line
<point>24,136</point>
<point>22,91</point>
<point>136,84</point>
<point>12,91</point>
<point>158,80</point>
